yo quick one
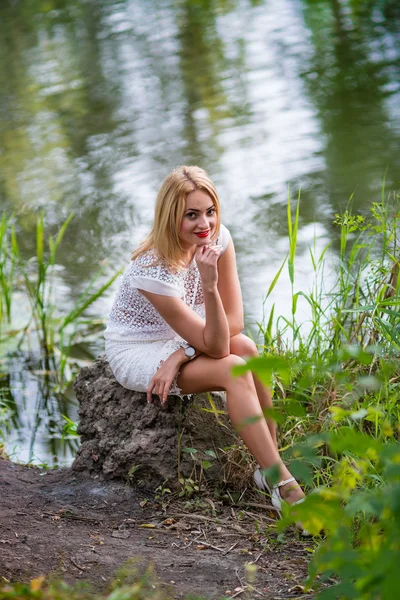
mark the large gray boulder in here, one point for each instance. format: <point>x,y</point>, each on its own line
<point>124,436</point>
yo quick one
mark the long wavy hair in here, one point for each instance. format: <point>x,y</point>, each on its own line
<point>169,210</point>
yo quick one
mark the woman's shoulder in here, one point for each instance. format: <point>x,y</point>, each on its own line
<point>150,273</point>
<point>147,258</point>
<point>148,263</point>
<point>223,237</point>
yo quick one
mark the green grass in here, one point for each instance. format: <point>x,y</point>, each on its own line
<point>336,382</point>
<point>43,334</point>
<point>53,330</point>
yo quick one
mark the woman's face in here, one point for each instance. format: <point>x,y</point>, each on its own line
<point>199,220</point>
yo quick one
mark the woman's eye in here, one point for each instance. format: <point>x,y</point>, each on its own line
<point>193,215</point>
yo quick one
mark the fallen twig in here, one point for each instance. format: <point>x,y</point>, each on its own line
<point>73,517</point>
<point>231,548</point>
<point>211,546</point>
<point>76,565</point>
<point>257,559</point>
<point>200,518</point>
<point>187,545</point>
<point>257,516</point>
<point>237,593</point>
<point>258,505</point>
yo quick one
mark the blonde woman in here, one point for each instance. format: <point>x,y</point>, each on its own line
<point>175,325</point>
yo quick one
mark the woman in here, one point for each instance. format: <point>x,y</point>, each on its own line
<point>175,325</point>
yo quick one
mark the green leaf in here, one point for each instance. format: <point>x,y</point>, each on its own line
<point>275,279</point>
<point>293,408</point>
<point>248,421</point>
<point>87,299</point>
<point>272,474</point>
<point>264,367</point>
<point>291,271</point>
<point>356,352</point>
<point>346,439</point>
<point>301,471</point>
<point>275,415</point>
<point>210,453</point>
<point>206,464</point>
<point>295,298</point>
<point>268,330</point>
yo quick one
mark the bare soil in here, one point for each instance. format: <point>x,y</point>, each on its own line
<point>75,528</point>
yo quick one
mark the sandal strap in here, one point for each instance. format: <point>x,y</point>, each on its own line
<point>284,482</point>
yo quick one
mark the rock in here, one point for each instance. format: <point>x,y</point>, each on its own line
<point>124,436</point>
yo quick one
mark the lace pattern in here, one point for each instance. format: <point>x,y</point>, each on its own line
<point>133,317</point>
<point>138,339</point>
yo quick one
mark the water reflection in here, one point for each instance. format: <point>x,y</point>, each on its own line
<point>35,409</point>
<point>350,76</point>
<point>100,99</point>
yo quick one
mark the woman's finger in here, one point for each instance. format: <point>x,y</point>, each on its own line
<point>150,390</point>
<point>213,251</point>
<point>165,392</point>
<point>199,252</point>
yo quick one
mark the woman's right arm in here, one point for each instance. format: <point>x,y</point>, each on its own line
<point>211,335</point>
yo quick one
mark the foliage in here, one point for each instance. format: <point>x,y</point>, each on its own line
<point>362,304</point>
<point>360,513</point>
<point>129,584</point>
<point>354,461</point>
<point>336,385</point>
<point>70,428</point>
<point>36,278</point>
<point>4,424</point>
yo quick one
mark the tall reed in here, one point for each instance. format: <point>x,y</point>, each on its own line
<point>362,304</point>
<point>7,267</point>
<point>54,330</point>
<point>337,391</point>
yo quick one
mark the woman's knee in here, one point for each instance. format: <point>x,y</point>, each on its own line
<point>241,345</point>
<point>232,360</point>
<point>229,363</point>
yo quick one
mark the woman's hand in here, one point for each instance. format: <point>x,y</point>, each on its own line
<point>207,259</point>
<point>165,375</point>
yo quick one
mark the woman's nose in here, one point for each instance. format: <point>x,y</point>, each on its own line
<point>204,221</point>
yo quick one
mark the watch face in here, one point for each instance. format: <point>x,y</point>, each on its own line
<point>190,352</point>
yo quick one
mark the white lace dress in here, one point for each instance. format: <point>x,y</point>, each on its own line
<point>138,339</point>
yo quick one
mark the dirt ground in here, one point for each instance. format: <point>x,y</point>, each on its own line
<point>75,528</point>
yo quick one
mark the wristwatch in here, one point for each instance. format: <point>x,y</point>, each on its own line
<point>189,351</point>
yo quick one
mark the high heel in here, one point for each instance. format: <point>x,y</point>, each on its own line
<point>273,491</point>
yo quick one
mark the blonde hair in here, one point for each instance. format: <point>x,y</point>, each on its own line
<point>169,210</point>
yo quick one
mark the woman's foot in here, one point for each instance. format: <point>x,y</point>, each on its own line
<point>287,490</point>
<point>291,492</point>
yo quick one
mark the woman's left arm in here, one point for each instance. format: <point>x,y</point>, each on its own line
<point>229,290</point>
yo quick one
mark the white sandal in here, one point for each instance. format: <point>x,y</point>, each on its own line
<point>276,498</point>
<point>273,491</point>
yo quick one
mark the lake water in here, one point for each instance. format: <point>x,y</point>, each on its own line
<point>100,99</point>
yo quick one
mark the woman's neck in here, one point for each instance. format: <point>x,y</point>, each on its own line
<point>189,255</point>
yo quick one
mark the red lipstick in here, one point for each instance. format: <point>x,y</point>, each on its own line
<point>203,234</point>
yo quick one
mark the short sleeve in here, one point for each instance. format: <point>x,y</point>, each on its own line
<point>144,274</point>
<point>223,237</point>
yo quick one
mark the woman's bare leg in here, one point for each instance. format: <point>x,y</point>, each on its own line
<point>204,374</point>
<point>243,346</point>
